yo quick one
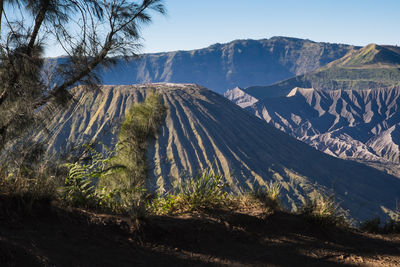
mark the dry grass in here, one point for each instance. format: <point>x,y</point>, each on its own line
<point>20,196</point>
<point>324,211</point>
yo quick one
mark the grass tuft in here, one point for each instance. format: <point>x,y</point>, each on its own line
<point>206,190</point>
<point>269,196</point>
<point>324,211</point>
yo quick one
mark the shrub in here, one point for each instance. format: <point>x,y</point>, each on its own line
<point>389,227</point>
<point>115,182</point>
<point>22,196</point>
<point>269,196</point>
<point>84,186</point>
<point>168,204</point>
<point>81,182</point>
<point>324,211</point>
<point>205,190</point>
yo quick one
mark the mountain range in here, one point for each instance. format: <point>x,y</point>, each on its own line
<point>340,99</point>
<point>223,66</point>
<point>348,108</point>
<point>203,128</point>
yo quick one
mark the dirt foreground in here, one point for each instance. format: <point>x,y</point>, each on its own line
<point>68,237</point>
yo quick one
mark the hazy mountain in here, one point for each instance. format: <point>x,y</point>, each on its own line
<point>223,66</point>
<point>204,128</point>
<point>359,123</point>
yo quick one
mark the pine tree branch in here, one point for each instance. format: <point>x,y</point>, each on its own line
<point>38,24</point>
<point>3,96</point>
<point>1,13</point>
<point>100,56</point>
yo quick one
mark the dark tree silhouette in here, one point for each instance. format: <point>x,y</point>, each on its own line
<point>89,31</point>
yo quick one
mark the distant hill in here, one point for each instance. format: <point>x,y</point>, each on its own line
<point>223,66</point>
<point>370,55</point>
<point>203,128</point>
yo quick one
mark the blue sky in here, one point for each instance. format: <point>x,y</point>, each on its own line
<point>195,24</point>
<point>192,24</point>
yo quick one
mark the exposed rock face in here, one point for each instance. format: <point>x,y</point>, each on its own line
<point>358,123</point>
<point>351,124</point>
<point>222,66</point>
<point>204,128</point>
<point>241,98</point>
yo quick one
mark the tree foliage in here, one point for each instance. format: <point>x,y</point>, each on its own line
<point>89,31</point>
<point>141,124</point>
<point>116,181</point>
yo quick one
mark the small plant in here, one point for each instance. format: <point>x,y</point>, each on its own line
<point>80,184</point>
<point>269,195</point>
<point>374,226</point>
<point>163,205</point>
<point>392,226</point>
<point>324,211</point>
<point>205,190</point>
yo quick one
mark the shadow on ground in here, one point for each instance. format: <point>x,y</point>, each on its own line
<point>63,237</point>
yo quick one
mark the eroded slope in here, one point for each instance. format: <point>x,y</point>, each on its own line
<point>357,124</point>
<point>204,128</point>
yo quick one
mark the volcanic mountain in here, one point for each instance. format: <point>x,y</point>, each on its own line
<point>203,128</point>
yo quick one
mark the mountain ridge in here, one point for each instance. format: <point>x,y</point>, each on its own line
<point>369,55</point>
<point>222,66</point>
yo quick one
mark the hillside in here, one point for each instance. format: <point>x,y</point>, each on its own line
<point>204,128</point>
<point>370,55</point>
<point>222,66</point>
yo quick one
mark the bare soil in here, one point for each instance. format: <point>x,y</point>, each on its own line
<point>57,236</point>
